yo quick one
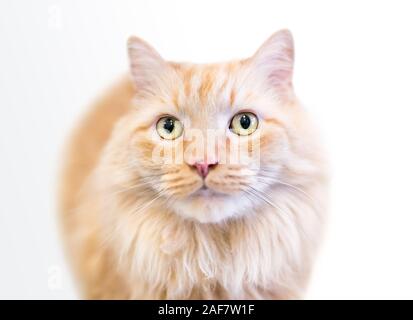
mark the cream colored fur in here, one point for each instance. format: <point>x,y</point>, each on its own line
<point>140,229</point>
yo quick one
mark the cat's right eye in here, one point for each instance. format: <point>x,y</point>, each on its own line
<point>244,123</point>
<point>169,128</point>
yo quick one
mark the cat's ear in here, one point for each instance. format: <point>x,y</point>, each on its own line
<point>147,66</point>
<point>275,59</point>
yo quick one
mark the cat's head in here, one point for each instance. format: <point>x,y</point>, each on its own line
<point>210,140</point>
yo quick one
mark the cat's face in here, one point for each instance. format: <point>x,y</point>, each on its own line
<point>210,140</point>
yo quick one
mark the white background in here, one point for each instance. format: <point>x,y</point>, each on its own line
<point>354,72</point>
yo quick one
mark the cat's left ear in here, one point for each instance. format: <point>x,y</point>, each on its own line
<point>275,59</point>
<point>148,68</point>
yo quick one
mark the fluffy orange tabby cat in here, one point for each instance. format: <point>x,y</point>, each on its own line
<point>142,223</point>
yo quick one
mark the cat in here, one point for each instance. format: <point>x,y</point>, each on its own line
<point>144,218</point>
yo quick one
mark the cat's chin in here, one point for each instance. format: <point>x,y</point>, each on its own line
<point>209,206</point>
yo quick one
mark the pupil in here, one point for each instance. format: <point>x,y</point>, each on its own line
<point>169,125</point>
<point>245,121</point>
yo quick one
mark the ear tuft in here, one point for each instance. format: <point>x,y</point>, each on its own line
<point>275,58</point>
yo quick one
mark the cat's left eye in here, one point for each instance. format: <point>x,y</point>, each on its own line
<point>169,128</point>
<point>244,123</point>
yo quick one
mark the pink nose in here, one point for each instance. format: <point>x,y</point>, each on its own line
<point>203,168</point>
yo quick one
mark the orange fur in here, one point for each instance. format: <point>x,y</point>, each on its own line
<point>137,227</point>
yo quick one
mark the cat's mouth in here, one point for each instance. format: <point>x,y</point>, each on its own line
<point>206,192</point>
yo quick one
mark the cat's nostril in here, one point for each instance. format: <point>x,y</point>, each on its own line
<point>204,167</point>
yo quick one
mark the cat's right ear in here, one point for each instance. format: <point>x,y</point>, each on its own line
<point>275,59</point>
<point>147,66</point>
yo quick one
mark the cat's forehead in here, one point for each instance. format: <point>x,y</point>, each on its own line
<point>209,87</point>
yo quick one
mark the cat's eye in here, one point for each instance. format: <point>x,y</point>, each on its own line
<point>169,128</point>
<point>244,123</point>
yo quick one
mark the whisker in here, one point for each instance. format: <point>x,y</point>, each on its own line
<point>137,186</point>
<point>136,211</point>
<point>147,204</point>
<point>255,192</point>
<point>285,184</point>
<point>296,188</point>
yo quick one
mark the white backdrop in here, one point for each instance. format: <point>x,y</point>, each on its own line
<point>354,71</point>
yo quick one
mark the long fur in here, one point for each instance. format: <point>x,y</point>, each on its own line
<point>133,226</point>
